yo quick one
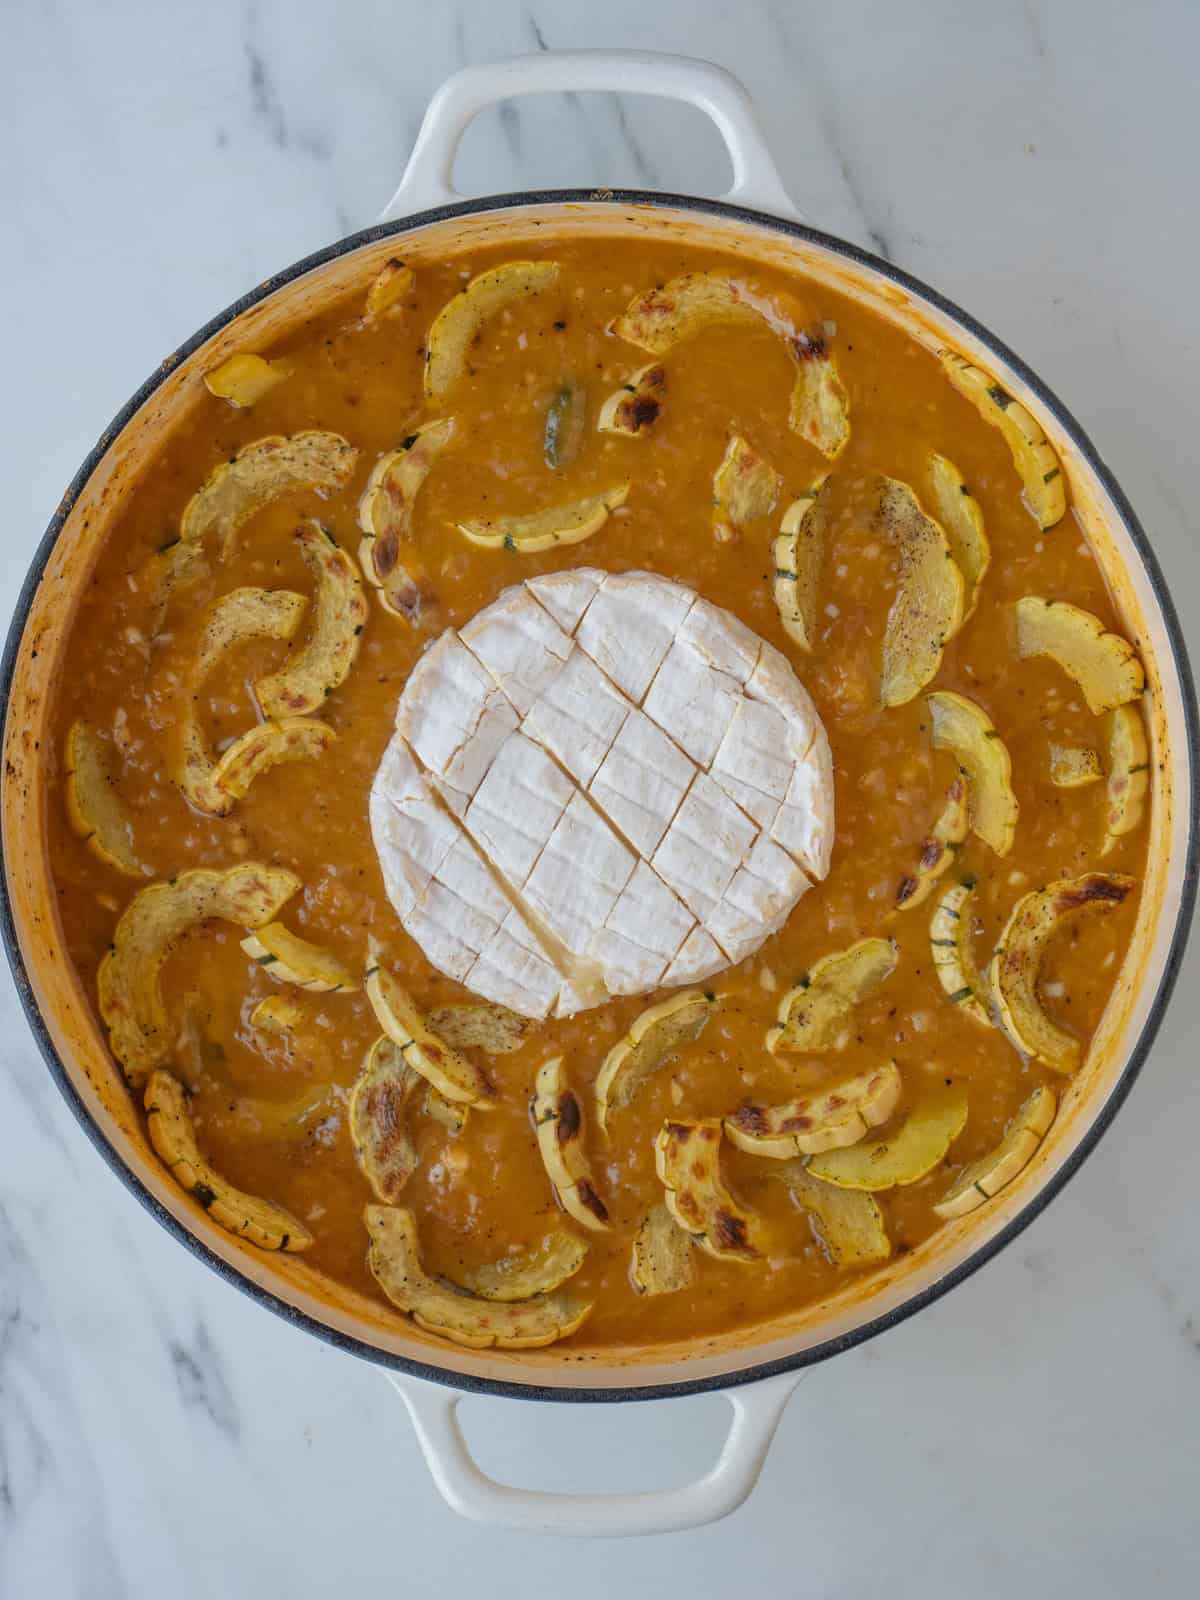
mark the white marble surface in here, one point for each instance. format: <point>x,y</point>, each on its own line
<point>1037,1431</point>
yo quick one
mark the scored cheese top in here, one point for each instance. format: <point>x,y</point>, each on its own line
<point>600,785</point>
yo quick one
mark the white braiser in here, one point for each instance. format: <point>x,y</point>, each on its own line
<point>601,785</point>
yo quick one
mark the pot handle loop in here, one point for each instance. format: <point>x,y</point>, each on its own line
<point>757,1408</point>
<point>428,179</point>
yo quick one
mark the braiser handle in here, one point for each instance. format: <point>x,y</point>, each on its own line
<point>428,177</point>
<point>468,1490</point>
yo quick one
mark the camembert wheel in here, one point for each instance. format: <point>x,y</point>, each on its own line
<point>598,786</point>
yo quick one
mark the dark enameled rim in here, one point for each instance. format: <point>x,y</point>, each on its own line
<point>1137,1057</point>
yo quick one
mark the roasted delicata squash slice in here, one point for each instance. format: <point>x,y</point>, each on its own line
<point>261,472</point>
<point>234,619</point>
<point>131,1001</point>
<point>663,1261</point>
<point>276,1014</point>
<point>378,1120</point>
<point>268,1226</point>
<point>1035,918</point>
<point>452,1114</point>
<point>266,745</point>
<point>487,1026</point>
<point>745,488</point>
<point>243,379</point>
<point>820,406</point>
<point>635,406</point>
<point>907,1154</point>
<point>389,288</point>
<point>684,307</point>
<point>385,515</point>
<point>194,1052</point>
<point>543,530</point>
<point>380,1117</point>
<point>688,1160</point>
<point>847,1223</point>
<point>243,615</point>
<point>965,729</point>
<point>663,317</point>
<point>957,509</point>
<point>566,424</point>
<point>1074,766</point>
<point>537,1271</point>
<point>446,1309</point>
<point>652,1041</point>
<point>323,662</point>
<point>982,1179</point>
<point>1128,773</point>
<point>292,1120</point>
<point>287,958</point>
<point>1037,465</point>
<point>928,607</point>
<point>1103,664</point>
<point>558,1121</point>
<point>95,810</point>
<point>460,321</point>
<point>451,1074</point>
<point>815,1015</point>
<point>953,958</point>
<point>840,1115</point>
<point>939,849</point>
<point>799,554</point>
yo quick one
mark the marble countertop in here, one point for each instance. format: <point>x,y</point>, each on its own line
<point>1034,1432</point>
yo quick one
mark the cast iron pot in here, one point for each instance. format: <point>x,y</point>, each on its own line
<point>757,1368</point>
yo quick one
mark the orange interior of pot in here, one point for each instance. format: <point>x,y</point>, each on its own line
<point>68,1012</point>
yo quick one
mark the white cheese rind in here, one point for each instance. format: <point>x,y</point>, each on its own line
<point>737,934</point>
<point>700,958</point>
<point>513,970</point>
<point>649,914</point>
<point>443,700</point>
<point>703,847</point>
<point>642,781</point>
<point>577,716</point>
<point>566,595</point>
<point>579,875</point>
<point>754,751</point>
<point>469,765</point>
<point>411,831</point>
<point>804,822</point>
<point>628,969</point>
<point>719,639</point>
<point>629,626</point>
<point>517,806</point>
<point>693,702</point>
<point>774,682</point>
<point>519,644</point>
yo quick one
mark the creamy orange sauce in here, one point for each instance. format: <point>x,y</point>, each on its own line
<point>270,1113</point>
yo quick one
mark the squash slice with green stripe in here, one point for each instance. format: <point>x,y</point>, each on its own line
<point>1103,664</point>
<point>980,1180</point>
<point>1038,466</point>
<point>904,1156</point>
<point>287,958</point>
<point>544,530</point>
<point>965,729</point>
<point>953,958</point>
<point>1016,964</point>
<point>451,1310</point>
<point>130,993</point>
<point>95,809</point>
<point>169,1125</point>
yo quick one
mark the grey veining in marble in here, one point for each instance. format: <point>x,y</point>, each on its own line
<point>1034,1433</point>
